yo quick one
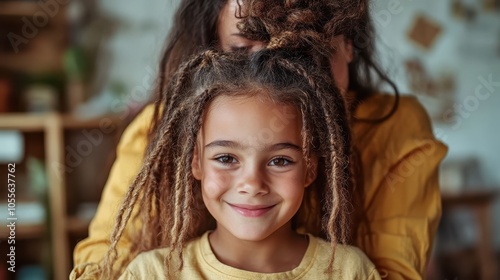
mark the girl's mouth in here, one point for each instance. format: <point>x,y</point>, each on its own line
<point>251,211</point>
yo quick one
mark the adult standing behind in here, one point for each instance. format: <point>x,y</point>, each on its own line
<point>399,200</point>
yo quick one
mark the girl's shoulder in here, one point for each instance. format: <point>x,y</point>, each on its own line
<point>349,261</point>
<point>150,264</point>
<point>146,263</point>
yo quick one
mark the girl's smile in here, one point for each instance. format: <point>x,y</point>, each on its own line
<point>251,211</point>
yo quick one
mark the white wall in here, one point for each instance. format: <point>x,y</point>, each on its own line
<point>469,52</point>
<point>136,45</point>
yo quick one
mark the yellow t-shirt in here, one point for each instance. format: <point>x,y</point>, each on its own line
<point>201,263</point>
<point>401,200</point>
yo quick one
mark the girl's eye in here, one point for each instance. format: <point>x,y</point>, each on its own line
<point>226,159</point>
<point>281,162</point>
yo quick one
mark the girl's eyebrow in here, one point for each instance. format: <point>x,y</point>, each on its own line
<point>284,146</point>
<point>224,143</point>
<point>236,145</point>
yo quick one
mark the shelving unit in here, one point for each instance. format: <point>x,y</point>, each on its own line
<point>53,126</point>
<point>41,55</point>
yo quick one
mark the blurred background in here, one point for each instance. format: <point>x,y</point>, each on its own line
<point>73,73</point>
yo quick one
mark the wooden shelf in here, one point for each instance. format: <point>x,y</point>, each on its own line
<point>23,122</point>
<point>18,8</point>
<point>72,122</point>
<point>29,231</point>
<point>31,63</point>
<point>27,122</point>
<point>468,198</point>
<point>77,225</point>
<point>29,9</point>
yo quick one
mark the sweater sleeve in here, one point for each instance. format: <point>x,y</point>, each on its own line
<point>402,201</point>
<point>374,275</point>
<point>130,152</point>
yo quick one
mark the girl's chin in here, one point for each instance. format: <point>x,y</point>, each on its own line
<point>251,234</point>
<point>245,234</point>
<point>256,234</point>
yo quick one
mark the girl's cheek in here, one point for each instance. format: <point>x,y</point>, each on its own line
<point>291,184</point>
<point>216,182</point>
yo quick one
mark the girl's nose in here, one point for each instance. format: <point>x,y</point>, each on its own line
<point>253,182</point>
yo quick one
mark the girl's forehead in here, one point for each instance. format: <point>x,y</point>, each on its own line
<point>243,118</point>
<point>261,97</point>
<point>258,110</point>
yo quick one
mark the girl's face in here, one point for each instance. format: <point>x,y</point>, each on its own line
<point>250,163</point>
<point>231,39</point>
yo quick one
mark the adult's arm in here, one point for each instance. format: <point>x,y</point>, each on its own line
<point>130,153</point>
<point>402,201</point>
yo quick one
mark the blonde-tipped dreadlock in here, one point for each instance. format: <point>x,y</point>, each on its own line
<point>172,210</point>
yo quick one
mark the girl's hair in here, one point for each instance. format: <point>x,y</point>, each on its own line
<point>195,28</point>
<point>169,198</point>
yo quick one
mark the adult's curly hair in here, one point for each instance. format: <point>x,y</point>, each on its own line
<point>195,28</point>
<point>316,23</point>
<point>172,211</point>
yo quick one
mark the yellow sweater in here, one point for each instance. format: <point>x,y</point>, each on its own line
<point>201,263</point>
<point>400,159</point>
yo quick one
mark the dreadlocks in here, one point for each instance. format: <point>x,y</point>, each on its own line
<point>169,198</point>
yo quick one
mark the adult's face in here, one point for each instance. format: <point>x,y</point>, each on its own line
<point>231,39</point>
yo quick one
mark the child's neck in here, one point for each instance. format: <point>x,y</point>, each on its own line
<point>282,251</point>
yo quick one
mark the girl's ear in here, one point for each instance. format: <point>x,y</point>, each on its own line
<point>196,163</point>
<point>312,171</point>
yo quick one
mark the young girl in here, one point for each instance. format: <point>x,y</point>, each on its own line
<point>399,195</point>
<point>244,146</point>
